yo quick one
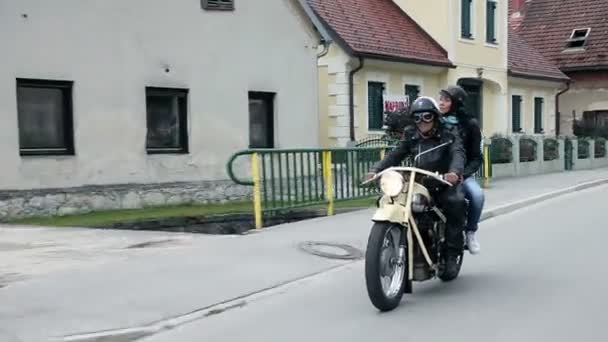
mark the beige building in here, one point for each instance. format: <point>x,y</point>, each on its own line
<point>576,44</point>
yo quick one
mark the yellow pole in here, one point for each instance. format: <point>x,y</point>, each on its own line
<point>257,198</point>
<point>486,169</point>
<point>382,154</point>
<point>329,185</point>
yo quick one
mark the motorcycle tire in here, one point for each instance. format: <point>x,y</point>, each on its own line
<point>373,269</point>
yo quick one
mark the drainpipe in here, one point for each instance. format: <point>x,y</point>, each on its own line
<point>351,100</point>
<point>557,113</point>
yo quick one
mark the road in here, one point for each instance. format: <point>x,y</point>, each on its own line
<point>541,277</point>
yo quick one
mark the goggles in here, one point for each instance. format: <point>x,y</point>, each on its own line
<point>426,117</point>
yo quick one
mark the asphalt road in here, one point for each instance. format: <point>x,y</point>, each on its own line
<point>541,277</point>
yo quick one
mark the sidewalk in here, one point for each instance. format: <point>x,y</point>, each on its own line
<point>66,281</point>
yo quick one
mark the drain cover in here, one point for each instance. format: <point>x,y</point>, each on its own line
<point>331,250</point>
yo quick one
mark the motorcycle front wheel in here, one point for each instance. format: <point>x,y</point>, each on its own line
<point>385,265</point>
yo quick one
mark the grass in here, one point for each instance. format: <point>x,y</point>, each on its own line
<point>105,218</point>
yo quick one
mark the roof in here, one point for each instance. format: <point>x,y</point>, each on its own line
<point>379,29</point>
<point>525,61</point>
<point>549,23</point>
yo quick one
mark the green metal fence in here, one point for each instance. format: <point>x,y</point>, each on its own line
<point>292,178</point>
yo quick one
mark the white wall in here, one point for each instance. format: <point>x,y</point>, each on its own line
<point>113,49</point>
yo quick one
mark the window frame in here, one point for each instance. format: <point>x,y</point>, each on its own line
<point>405,90</point>
<point>184,147</point>
<point>539,116</point>
<point>494,26</point>
<point>383,85</point>
<point>470,35</point>
<point>519,107</point>
<point>217,5</point>
<point>68,116</point>
<point>270,134</point>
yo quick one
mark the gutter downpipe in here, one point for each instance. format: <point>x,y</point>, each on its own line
<point>557,112</point>
<point>351,100</point>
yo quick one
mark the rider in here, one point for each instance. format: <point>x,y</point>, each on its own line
<point>451,104</point>
<point>448,160</point>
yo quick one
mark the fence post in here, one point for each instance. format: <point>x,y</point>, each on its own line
<point>486,166</point>
<point>257,198</point>
<point>329,184</point>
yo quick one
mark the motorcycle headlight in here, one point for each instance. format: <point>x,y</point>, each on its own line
<point>392,183</point>
<point>419,203</point>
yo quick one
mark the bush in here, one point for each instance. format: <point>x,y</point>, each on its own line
<point>550,149</point>
<point>501,150</point>
<point>583,148</point>
<point>600,148</point>
<point>527,149</point>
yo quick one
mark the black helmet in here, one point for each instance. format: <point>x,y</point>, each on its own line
<point>424,104</point>
<point>457,94</point>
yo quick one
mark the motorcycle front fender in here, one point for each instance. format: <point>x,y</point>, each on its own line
<point>391,210</point>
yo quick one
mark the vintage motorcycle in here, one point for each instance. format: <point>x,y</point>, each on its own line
<point>408,236</point>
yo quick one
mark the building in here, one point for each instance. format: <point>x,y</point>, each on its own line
<point>534,83</point>
<point>392,48</point>
<point>474,34</point>
<point>378,51</point>
<point>573,35</point>
<point>118,104</point>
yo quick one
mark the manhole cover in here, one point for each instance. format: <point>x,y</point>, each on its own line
<point>331,250</point>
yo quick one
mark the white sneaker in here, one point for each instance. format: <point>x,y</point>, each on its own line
<point>473,243</point>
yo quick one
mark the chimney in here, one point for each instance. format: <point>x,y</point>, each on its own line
<point>518,5</point>
<point>517,9</point>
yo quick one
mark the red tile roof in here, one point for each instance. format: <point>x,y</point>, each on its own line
<point>526,61</point>
<point>379,29</point>
<point>549,23</point>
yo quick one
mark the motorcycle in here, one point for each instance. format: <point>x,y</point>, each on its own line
<point>407,240</point>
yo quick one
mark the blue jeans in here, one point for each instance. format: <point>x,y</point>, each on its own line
<point>474,193</point>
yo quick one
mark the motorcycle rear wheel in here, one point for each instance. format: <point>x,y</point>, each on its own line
<point>384,259</point>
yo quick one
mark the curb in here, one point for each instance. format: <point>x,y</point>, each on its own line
<point>514,206</point>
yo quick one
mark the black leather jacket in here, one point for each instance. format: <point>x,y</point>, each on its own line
<point>470,133</point>
<point>450,158</point>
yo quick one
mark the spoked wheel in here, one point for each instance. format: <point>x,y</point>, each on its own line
<point>385,266</point>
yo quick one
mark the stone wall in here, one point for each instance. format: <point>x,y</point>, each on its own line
<point>66,201</point>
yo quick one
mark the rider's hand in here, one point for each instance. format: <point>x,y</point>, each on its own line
<point>369,176</point>
<point>452,178</point>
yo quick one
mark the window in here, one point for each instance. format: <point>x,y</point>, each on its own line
<point>538,115</point>
<point>465,18</point>
<point>578,38</point>
<point>218,5</point>
<point>516,113</point>
<point>261,120</point>
<point>375,105</point>
<point>412,92</point>
<point>491,21</point>
<point>167,115</point>
<point>44,110</point>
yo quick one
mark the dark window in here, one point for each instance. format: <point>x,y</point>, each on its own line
<point>45,117</point>
<point>412,92</point>
<point>578,38</point>
<point>538,115</point>
<point>375,105</point>
<point>220,5</point>
<point>491,21</point>
<point>465,18</point>
<point>167,119</point>
<point>516,113</point>
<point>261,120</point>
